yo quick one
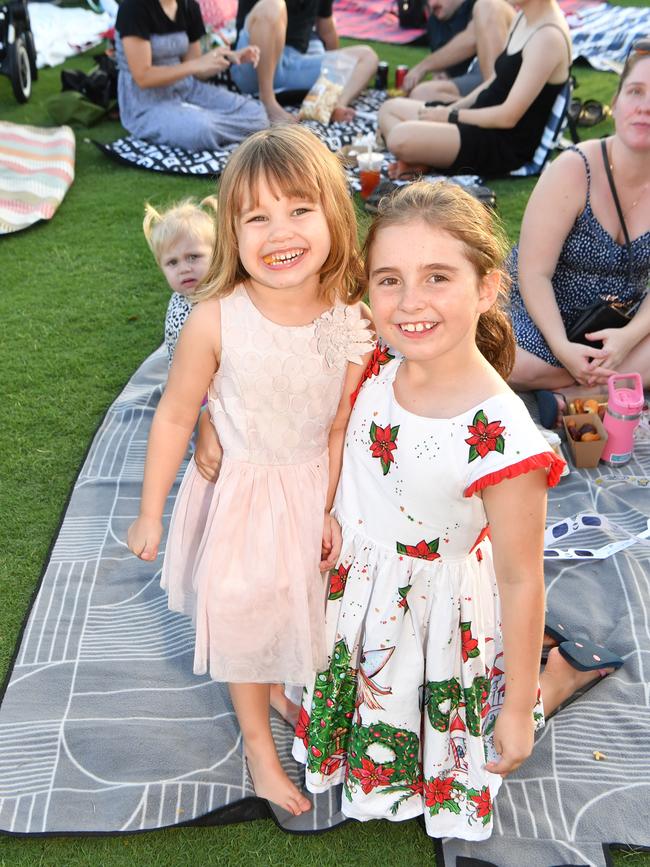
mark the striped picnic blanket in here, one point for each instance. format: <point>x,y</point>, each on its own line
<point>36,171</point>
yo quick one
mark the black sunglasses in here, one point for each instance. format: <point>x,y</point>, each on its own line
<point>639,46</point>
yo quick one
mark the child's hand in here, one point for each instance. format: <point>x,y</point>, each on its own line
<point>513,740</point>
<point>144,537</point>
<point>331,547</point>
<point>208,452</point>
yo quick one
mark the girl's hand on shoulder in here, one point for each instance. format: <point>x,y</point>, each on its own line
<point>208,452</point>
<point>331,545</point>
<point>513,740</point>
<point>143,537</point>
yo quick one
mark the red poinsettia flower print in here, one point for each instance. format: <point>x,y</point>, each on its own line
<point>469,648</point>
<point>438,790</point>
<point>417,787</point>
<point>422,551</point>
<point>338,579</point>
<point>380,356</point>
<point>302,726</point>
<point>485,437</point>
<point>370,775</point>
<point>483,802</point>
<point>383,444</point>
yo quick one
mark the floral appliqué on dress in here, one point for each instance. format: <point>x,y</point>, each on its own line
<point>342,334</point>
<point>486,436</point>
<point>383,442</point>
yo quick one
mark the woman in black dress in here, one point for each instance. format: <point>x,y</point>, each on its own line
<point>498,126</point>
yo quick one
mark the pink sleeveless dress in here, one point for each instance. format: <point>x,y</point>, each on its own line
<point>243,553</point>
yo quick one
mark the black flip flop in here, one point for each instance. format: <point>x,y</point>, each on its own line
<point>586,656</point>
<point>592,112</point>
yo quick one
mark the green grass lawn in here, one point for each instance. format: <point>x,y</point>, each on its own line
<point>81,305</point>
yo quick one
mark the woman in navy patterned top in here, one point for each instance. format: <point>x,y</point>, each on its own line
<point>572,252</point>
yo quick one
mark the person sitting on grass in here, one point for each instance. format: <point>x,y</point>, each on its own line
<point>294,37</point>
<point>457,32</point>
<point>498,126</point>
<point>581,255</point>
<point>160,94</point>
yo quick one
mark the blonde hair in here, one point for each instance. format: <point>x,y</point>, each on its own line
<point>294,163</point>
<point>446,206</point>
<point>184,219</point>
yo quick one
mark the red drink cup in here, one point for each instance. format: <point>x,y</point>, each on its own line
<point>369,172</point>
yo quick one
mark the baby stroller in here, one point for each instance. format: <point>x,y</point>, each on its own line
<point>17,51</point>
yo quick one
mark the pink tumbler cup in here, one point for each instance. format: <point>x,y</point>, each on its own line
<point>624,405</point>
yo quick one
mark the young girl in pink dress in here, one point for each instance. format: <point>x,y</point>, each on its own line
<point>277,339</point>
<point>435,611</point>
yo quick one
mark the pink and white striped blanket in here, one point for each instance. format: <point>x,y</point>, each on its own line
<point>36,171</point>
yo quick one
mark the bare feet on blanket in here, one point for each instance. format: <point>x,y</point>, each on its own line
<point>278,115</point>
<point>343,114</point>
<point>287,709</point>
<point>560,680</point>
<point>271,782</point>
<point>406,171</point>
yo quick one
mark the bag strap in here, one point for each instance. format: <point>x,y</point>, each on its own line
<point>612,186</point>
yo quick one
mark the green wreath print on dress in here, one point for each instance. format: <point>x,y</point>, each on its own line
<point>400,776</point>
<point>332,709</point>
<point>485,437</point>
<point>474,698</point>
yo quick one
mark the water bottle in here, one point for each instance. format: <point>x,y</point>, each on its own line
<point>624,405</point>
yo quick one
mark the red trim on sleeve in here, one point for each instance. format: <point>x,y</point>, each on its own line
<point>543,461</point>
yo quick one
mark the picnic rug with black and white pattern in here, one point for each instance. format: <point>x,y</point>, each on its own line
<point>105,729</point>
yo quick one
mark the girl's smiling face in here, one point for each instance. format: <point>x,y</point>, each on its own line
<point>284,240</point>
<point>425,293</point>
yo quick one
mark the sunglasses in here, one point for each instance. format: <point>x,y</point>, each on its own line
<point>640,46</point>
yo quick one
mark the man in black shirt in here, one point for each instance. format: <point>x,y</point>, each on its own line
<point>293,36</point>
<point>457,31</point>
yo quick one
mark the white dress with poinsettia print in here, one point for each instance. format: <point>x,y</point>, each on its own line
<point>404,714</point>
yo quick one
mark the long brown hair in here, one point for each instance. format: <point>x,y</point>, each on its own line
<point>446,206</point>
<point>295,163</point>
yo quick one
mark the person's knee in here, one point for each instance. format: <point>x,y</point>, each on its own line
<point>267,14</point>
<point>367,56</point>
<point>398,142</point>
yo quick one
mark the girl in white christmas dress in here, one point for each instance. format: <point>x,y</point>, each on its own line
<point>435,612</point>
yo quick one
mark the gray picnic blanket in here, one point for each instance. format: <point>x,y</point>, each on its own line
<point>104,727</point>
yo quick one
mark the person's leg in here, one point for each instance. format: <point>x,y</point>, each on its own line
<point>228,117</point>
<point>280,702</point>
<point>365,69</point>
<point>251,703</point>
<point>266,25</point>
<point>441,89</point>
<point>560,680</point>
<point>418,144</point>
<point>639,361</point>
<point>491,20</point>
<point>531,373</point>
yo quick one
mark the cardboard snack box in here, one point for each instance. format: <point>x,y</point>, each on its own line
<point>585,454</point>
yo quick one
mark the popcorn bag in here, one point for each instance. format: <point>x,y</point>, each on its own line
<point>321,100</point>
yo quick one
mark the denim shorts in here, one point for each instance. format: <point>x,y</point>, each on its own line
<point>295,71</point>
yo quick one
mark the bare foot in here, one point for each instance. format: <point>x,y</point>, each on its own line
<point>560,680</point>
<point>278,115</point>
<point>271,782</point>
<point>343,114</point>
<point>405,171</point>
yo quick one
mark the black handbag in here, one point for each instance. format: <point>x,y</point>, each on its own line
<point>606,312</point>
<point>411,14</point>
